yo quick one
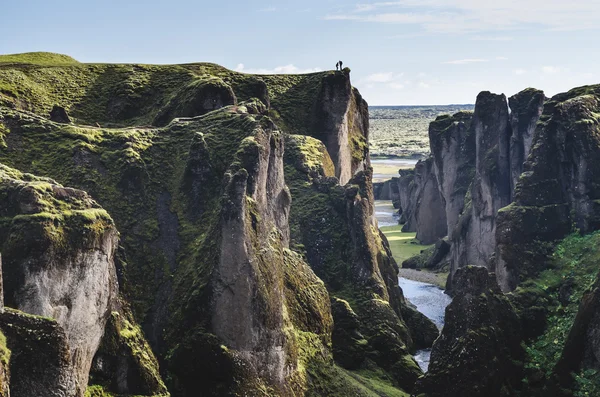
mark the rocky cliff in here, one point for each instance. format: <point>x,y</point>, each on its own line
<point>58,249</point>
<point>558,188</point>
<point>421,204</point>
<point>216,258</point>
<point>478,352</point>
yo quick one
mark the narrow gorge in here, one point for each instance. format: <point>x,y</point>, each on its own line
<point>188,230</point>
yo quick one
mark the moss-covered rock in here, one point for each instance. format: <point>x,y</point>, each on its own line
<point>479,351</point>
<point>40,361</point>
<point>558,190</point>
<point>58,247</point>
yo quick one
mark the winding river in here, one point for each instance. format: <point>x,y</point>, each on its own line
<point>428,298</point>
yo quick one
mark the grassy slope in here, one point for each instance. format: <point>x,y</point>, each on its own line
<point>574,262</point>
<point>404,245</point>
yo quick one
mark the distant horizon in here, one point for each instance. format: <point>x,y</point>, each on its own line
<point>401,52</point>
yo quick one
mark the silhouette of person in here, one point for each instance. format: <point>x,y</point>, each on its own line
<point>337,66</point>
<point>341,65</point>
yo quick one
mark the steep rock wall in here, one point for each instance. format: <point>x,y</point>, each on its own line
<point>58,247</point>
<point>423,210</point>
<point>335,225</point>
<point>452,145</point>
<point>558,188</point>
<point>342,123</point>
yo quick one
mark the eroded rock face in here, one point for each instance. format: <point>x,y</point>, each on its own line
<point>558,189</point>
<point>452,145</point>
<point>478,352</point>
<point>482,155</point>
<point>344,248</point>
<point>58,254</point>
<point>525,110</point>
<point>342,124</point>
<point>582,347</point>
<point>474,242</point>
<point>243,315</point>
<point>40,362</point>
<point>423,209</point>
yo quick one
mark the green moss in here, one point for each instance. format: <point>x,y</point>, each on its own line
<point>573,264</point>
<point>38,58</point>
<point>4,351</point>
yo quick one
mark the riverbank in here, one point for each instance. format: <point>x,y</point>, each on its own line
<point>404,245</point>
<point>425,276</point>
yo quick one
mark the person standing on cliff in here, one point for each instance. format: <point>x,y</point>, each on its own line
<point>340,62</point>
<point>337,66</point>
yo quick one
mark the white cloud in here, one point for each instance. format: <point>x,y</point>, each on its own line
<point>491,38</point>
<point>268,9</point>
<point>287,69</point>
<point>519,72</point>
<point>396,86</point>
<point>465,61</point>
<point>424,85</point>
<point>501,58</point>
<point>464,16</point>
<point>382,77</point>
<point>551,70</point>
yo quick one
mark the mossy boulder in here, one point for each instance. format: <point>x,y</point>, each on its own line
<point>479,351</point>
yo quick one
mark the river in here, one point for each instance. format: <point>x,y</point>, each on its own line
<point>428,298</point>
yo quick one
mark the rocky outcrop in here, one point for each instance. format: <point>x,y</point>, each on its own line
<point>424,211</point>
<point>387,190</point>
<point>558,188</point>
<point>40,359</point>
<point>342,124</point>
<point>525,111</point>
<point>482,155</point>
<point>58,247</point>
<point>479,351</point>
<point>345,249</point>
<point>405,196</point>
<point>211,259</point>
<point>474,242</point>
<point>124,362</point>
<point>195,99</point>
<point>452,143</point>
<point>59,115</point>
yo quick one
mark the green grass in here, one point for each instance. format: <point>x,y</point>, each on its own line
<point>38,58</point>
<point>403,245</point>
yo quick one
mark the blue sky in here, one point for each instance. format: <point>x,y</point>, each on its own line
<point>400,52</point>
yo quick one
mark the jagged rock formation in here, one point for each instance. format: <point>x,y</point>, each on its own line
<point>344,248</point>
<point>342,123</point>
<point>405,201</point>
<point>210,259</point>
<point>452,145</point>
<point>558,188</point>
<point>478,352</point>
<point>423,209</point>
